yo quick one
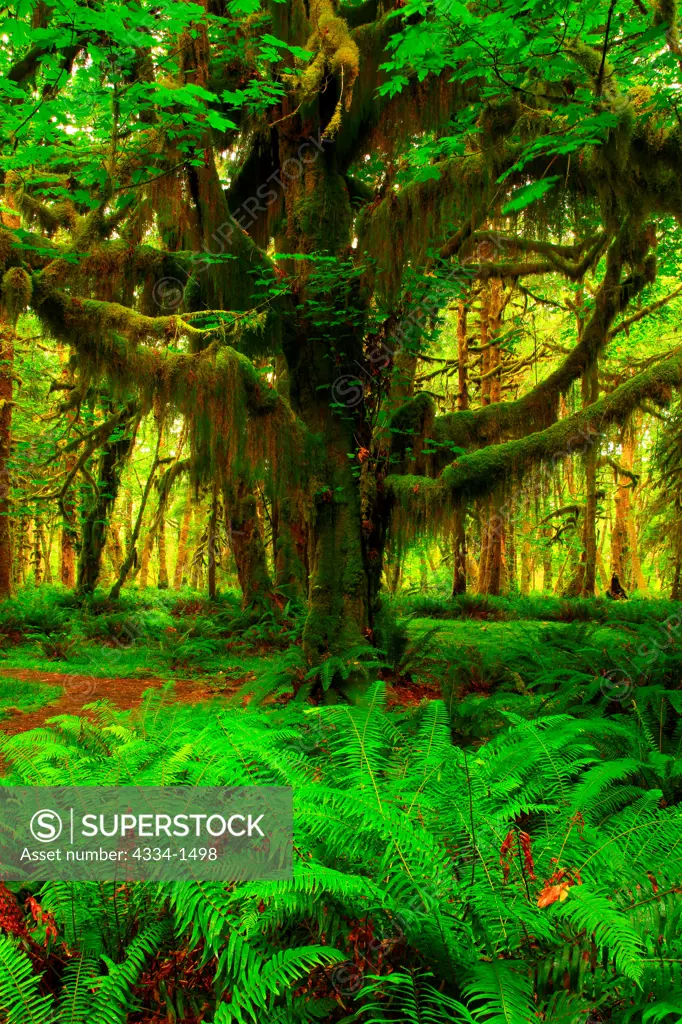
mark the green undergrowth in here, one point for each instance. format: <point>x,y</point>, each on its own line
<point>16,695</point>
<point>510,852</point>
<point>151,632</point>
<point>540,608</point>
<point>531,877</point>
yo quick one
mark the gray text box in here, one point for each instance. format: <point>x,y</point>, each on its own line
<point>133,833</point>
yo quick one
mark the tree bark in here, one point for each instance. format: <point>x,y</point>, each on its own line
<point>163,562</point>
<point>67,570</point>
<point>131,551</point>
<point>97,518</point>
<point>246,541</point>
<point>459,575</point>
<point>37,551</point>
<point>290,541</point>
<point>590,395</point>
<point>212,545</point>
<point>183,535</point>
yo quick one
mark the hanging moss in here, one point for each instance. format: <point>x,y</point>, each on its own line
<point>410,425</point>
<point>336,53</point>
<point>405,225</point>
<point>479,472</point>
<point>7,240</point>
<point>16,292</point>
<point>240,426</point>
<point>48,217</point>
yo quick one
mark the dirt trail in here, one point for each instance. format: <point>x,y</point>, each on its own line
<point>78,690</point>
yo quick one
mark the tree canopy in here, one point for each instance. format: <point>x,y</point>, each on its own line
<point>258,223</point>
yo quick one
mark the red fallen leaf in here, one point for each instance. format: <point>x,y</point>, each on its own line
<point>415,489</point>
<point>556,887</point>
<point>551,893</point>
<point>41,916</point>
<point>652,879</point>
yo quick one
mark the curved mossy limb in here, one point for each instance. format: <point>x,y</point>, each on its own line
<point>481,472</point>
<point>539,407</point>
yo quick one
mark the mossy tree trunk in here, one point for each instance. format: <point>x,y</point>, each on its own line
<point>290,543</point>
<point>67,569</point>
<point>37,550</point>
<point>94,531</point>
<point>246,541</point>
<point>345,557</point>
<point>212,546</point>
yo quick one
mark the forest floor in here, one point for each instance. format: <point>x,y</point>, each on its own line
<point>72,694</point>
<point>573,708</point>
<point>57,658</point>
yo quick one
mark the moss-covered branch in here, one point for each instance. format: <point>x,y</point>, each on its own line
<point>238,421</point>
<point>538,408</point>
<point>481,472</point>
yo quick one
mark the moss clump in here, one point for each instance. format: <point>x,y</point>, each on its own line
<point>7,240</point>
<point>16,292</point>
<point>336,53</point>
<point>410,425</point>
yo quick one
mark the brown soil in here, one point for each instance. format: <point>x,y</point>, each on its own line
<point>80,690</point>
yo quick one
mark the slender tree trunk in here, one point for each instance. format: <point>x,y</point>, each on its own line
<point>619,535</point>
<point>625,560</point>
<point>459,575</point>
<point>547,565</point>
<point>677,571</point>
<point>131,551</point>
<point>6,387</point>
<point>183,535</point>
<point>47,555</point>
<point>485,548</point>
<point>145,559</point>
<point>114,547</point>
<point>212,546</point>
<point>510,581</point>
<point>37,551</point>
<point>20,549</point>
<point>462,358</point>
<point>459,578</point>
<point>525,550</point>
<point>68,551</point>
<point>163,562</point>
<point>590,395</point>
<point>603,575</point>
